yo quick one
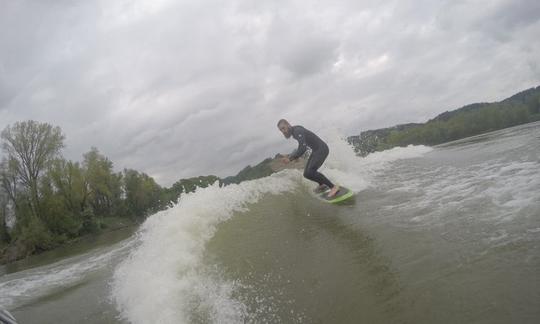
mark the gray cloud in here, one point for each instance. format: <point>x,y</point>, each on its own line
<point>182,88</point>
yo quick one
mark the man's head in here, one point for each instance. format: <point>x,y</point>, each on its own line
<point>285,128</point>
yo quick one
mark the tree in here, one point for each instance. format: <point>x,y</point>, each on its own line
<point>71,184</point>
<point>9,181</point>
<point>62,222</point>
<point>4,233</point>
<point>104,185</point>
<point>142,193</point>
<point>30,148</point>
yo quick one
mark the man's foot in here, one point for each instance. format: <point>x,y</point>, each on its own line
<point>320,189</point>
<point>333,192</point>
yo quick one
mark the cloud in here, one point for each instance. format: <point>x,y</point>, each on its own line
<point>183,88</point>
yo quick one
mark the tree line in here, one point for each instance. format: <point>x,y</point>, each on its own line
<point>469,120</point>
<point>49,200</point>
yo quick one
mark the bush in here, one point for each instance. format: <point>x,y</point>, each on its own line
<point>35,237</point>
<point>90,224</point>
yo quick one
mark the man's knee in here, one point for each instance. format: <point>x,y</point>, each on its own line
<point>308,173</point>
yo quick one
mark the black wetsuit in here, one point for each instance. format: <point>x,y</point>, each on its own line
<point>319,152</point>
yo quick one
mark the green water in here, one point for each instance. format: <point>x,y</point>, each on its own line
<point>305,264</point>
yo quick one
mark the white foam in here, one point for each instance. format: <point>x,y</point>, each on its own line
<point>345,167</point>
<point>503,188</point>
<point>20,287</point>
<point>163,280</point>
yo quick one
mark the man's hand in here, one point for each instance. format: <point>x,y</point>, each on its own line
<point>285,159</point>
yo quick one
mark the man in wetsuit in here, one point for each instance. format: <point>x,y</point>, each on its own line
<point>319,152</point>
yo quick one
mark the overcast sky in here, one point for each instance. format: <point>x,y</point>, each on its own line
<point>184,88</point>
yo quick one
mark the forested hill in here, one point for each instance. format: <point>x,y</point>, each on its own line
<point>474,119</point>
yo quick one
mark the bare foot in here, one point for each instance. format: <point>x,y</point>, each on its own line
<point>333,192</point>
<point>320,189</point>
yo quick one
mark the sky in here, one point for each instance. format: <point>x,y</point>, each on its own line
<point>185,88</point>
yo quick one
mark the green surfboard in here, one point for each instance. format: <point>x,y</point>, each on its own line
<point>342,195</point>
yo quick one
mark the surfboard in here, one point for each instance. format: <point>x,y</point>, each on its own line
<point>342,195</point>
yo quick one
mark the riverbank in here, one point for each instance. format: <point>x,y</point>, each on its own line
<point>10,253</point>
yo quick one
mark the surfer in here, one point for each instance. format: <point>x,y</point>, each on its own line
<point>319,152</point>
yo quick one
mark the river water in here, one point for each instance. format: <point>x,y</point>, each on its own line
<point>449,234</point>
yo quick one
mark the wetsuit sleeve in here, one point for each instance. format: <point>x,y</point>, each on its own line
<point>302,147</point>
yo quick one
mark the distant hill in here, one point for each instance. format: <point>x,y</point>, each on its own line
<point>474,119</point>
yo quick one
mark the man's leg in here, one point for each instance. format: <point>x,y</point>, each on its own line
<point>315,161</point>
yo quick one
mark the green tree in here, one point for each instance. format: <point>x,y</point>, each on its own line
<point>71,182</point>
<point>4,201</point>
<point>69,179</point>
<point>104,185</point>
<point>9,181</point>
<point>30,148</point>
<point>62,222</point>
<point>142,193</point>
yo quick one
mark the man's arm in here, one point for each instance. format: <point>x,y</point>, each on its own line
<point>302,147</point>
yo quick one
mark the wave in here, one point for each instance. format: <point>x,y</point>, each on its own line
<point>164,279</point>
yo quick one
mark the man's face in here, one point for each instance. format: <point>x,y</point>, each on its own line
<point>285,129</point>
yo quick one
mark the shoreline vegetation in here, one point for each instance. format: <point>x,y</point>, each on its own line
<point>470,120</point>
<point>47,201</point>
